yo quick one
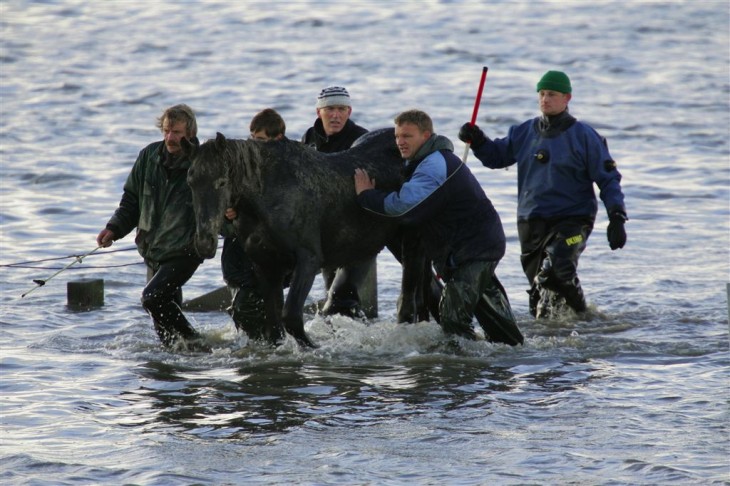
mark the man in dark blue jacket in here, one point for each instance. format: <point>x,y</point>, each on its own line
<point>459,227</point>
<point>558,160</point>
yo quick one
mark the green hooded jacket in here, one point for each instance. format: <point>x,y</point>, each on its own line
<point>158,202</point>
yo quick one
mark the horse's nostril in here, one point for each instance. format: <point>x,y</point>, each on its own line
<point>205,247</point>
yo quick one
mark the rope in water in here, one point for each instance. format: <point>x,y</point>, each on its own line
<point>33,263</point>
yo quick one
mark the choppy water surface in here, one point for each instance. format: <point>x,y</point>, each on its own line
<point>637,393</point>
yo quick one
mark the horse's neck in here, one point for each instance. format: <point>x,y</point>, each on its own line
<point>243,167</point>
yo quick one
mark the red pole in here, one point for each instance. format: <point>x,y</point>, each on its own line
<point>476,106</point>
<point>479,95</point>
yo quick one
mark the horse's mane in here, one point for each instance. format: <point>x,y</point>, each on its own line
<point>241,160</point>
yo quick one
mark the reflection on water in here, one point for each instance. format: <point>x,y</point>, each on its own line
<point>263,399</point>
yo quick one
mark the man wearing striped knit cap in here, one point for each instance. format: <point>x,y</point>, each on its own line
<point>333,131</point>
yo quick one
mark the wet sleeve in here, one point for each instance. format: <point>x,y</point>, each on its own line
<point>494,154</point>
<point>604,172</point>
<point>372,200</point>
<point>410,203</point>
<point>427,178</point>
<point>126,217</point>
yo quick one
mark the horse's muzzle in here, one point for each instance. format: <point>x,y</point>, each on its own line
<point>206,246</point>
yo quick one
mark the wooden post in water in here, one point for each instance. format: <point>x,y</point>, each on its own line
<point>216,300</point>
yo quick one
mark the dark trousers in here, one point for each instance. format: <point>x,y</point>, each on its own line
<point>248,311</point>
<point>460,297</point>
<point>162,297</point>
<point>550,253</point>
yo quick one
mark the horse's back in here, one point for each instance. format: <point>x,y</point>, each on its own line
<point>311,200</point>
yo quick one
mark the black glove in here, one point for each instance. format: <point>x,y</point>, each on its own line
<point>472,134</point>
<point>616,232</point>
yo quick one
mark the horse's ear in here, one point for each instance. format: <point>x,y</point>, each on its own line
<point>220,141</point>
<point>188,148</point>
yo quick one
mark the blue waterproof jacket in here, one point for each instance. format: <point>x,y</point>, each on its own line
<point>556,171</point>
<point>442,197</point>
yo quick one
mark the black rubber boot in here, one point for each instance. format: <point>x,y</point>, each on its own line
<point>573,294</point>
<point>465,331</point>
<point>534,299</point>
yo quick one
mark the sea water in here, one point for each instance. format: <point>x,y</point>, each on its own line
<point>634,393</point>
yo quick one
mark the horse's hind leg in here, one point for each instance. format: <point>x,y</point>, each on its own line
<point>301,283</point>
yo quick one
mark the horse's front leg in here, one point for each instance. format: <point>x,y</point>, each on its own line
<point>302,279</point>
<point>271,282</point>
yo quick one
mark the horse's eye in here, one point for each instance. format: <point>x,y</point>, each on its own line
<point>221,184</point>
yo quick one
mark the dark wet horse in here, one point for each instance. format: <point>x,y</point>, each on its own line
<point>297,213</point>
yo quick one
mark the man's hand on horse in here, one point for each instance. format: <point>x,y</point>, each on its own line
<point>363,181</point>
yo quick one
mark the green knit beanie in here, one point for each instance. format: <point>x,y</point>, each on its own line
<point>555,81</point>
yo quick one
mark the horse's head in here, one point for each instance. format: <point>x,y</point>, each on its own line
<point>208,181</point>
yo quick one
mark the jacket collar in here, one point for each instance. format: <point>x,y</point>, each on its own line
<point>434,143</point>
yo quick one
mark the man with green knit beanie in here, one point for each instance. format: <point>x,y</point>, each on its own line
<point>559,159</point>
<point>555,81</point>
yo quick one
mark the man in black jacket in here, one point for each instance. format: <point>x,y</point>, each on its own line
<point>333,131</point>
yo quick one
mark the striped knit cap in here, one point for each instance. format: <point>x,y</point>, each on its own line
<point>333,96</point>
